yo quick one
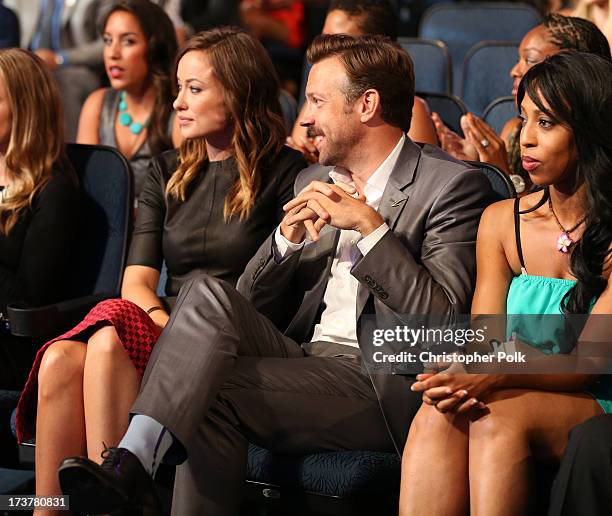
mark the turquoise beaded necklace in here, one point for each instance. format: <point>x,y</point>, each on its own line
<point>125,119</point>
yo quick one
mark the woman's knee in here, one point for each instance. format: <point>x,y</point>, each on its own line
<point>113,305</point>
<point>105,341</point>
<point>500,417</point>
<point>429,421</point>
<point>62,364</point>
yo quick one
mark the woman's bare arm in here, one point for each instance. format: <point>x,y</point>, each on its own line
<point>140,287</point>
<point>89,119</point>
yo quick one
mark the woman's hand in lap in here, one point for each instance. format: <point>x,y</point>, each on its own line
<point>456,393</point>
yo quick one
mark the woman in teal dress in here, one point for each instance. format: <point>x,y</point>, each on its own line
<point>473,444</point>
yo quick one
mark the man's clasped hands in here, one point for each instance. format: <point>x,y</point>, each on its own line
<point>340,205</point>
<point>343,206</point>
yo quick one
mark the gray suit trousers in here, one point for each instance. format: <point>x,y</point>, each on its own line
<point>222,375</point>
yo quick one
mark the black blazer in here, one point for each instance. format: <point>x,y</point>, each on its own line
<point>425,264</point>
<point>35,257</point>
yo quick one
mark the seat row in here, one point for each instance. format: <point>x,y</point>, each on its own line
<point>451,108</point>
<point>333,483</point>
<point>469,48</point>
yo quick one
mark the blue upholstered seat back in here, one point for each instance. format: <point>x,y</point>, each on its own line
<point>486,73</point>
<point>342,474</point>
<point>462,25</point>
<point>432,65</point>
<point>106,185</point>
<point>500,182</point>
<point>499,112</point>
<point>449,107</point>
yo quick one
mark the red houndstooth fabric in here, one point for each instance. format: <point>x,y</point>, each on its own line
<point>138,334</point>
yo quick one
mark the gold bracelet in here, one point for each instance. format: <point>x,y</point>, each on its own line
<point>153,308</point>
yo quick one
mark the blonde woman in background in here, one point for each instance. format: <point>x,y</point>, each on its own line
<point>597,11</point>
<point>39,199</point>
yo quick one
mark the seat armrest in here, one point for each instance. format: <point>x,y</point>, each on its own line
<point>51,320</point>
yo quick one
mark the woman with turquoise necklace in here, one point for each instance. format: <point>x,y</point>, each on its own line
<point>473,444</point>
<point>134,114</point>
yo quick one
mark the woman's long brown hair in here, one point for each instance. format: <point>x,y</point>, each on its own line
<point>246,73</point>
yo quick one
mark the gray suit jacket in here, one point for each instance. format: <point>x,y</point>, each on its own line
<point>79,38</point>
<point>426,264</point>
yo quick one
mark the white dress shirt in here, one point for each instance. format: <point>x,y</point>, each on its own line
<point>339,318</point>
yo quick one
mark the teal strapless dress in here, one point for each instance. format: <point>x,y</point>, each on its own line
<point>540,295</point>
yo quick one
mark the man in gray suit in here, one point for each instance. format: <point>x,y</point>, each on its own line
<point>392,232</point>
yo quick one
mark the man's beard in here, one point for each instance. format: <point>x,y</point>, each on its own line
<point>335,150</point>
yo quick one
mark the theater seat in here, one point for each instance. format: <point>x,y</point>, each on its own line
<point>463,24</point>
<point>450,108</point>
<point>432,64</point>
<point>105,180</point>
<point>334,483</point>
<point>499,112</point>
<point>8,402</point>
<point>486,73</point>
<point>500,183</point>
<point>16,481</point>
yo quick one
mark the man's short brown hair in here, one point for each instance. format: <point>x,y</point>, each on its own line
<point>372,62</point>
<point>372,16</point>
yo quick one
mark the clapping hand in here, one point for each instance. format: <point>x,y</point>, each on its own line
<point>49,57</point>
<point>490,147</point>
<point>452,143</point>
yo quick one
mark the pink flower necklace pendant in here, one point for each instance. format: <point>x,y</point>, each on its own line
<point>564,241</point>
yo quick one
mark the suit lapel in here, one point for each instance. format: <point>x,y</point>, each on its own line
<point>326,246</point>
<point>393,202</point>
<point>395,196</point>
<point>394,199</point>
<point>300,328</point>
<point>328,240</point>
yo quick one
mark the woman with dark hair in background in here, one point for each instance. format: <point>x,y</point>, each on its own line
<point>39,200</point>
<point>472,445</point>
<point>134,114</point>
<point>205,209</point>
<point>481,143</point>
